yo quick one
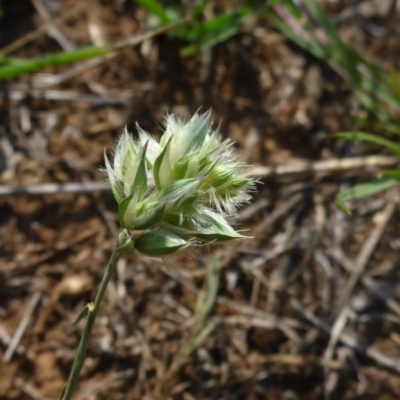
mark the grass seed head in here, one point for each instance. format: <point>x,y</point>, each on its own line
<point>178,191</point>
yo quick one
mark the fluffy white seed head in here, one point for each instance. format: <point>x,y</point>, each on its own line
<point>180,189</point>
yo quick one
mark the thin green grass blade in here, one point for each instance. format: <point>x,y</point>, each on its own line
<point>11,67</point>
<point>62,392</point>
<point>197,340</point>
<point>199,10</point>
<point>218,23</point>
<point>391,127</point>
<point>156,8</point>
<point>374,87</point>
<point>369,137</point>
<point>52,60</point>
<point>210,42</point>
<point>390,173</point>
<point>214,31</point>
<point>314,48</point>
<point>205,302</point>
<point>365,190</point>
<point>372,104</point>
<point>394,78</point>
<point>378,90</point>
<point>348,58</point>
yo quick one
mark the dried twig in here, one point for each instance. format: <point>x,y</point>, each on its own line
<point>54,188</point>
<point>382,218</point>
<point>94,62</point>
<point>388,362</point>
<point>113,379</point>
<point>31,36</point>
<point>329,166</point>
<point>52,28</point>
<point>28,389</point>
<point>326,166</point>
<point>34,300</point>
<point>366,280</point>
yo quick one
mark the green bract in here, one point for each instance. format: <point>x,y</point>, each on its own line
<point>177,192</point>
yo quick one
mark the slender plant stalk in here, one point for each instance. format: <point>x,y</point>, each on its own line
<point>196,180</point>
<point>92,311</point>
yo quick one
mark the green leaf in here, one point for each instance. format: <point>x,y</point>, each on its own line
<point>160,244</point>
<point>180,168</point>
<point>125,243</point>
<point>114,183</point>
<point>374,87</point>
<point>141,174</point>
<point>177,192</point>
<point>200,338</point>
<point>162,166</point>
<point>82,314</point>
<point>365,190</point>
<point>342,206</point>
<point>368,137</point>
<point>207,227</point>
<point>52,60</point>
<point>206,298</point>
<point>195,131</point>
<point>136,174</point>
<point>213,227</point>
<point>221,175</point>
<point>391,127</point>
<point>198,11</point>
<point>216,38</point>
<point>127,211</point>
<point>156,8</point>
<point>218,24</point>
<point>61,397</point>
<point>394,174</point>
<point>215,31</point>
<point>150,218</point>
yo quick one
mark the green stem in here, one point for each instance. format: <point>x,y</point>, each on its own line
<point>93,309</point>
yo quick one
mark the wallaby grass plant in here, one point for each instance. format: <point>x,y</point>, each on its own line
<point>176,194</point>
<point>173,195</point>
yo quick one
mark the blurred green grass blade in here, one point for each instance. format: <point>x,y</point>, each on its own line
<point>391,127</point>
<point>368,137</point>
<point>215,31</point>
<point>62,392</point>
<point>374,87</point>
<point>342,206</point>
<point>372,104</point>
<point>314,48</point>
<point>205,302</point>
<point>199,10</point>
<point>379,91</point>
<point>8,60</point>
<point>288,5</point>
<point>395,80</point>
<point>218,37</point>
<point>320,16</point>
<point>198,340</point>
<point>156,8</point>
<point>219,23</point>
<point>20,67</point>
<point>390,173</point>
<point>365,190</point>
<point>206,299</point>
<point>348,58</point>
